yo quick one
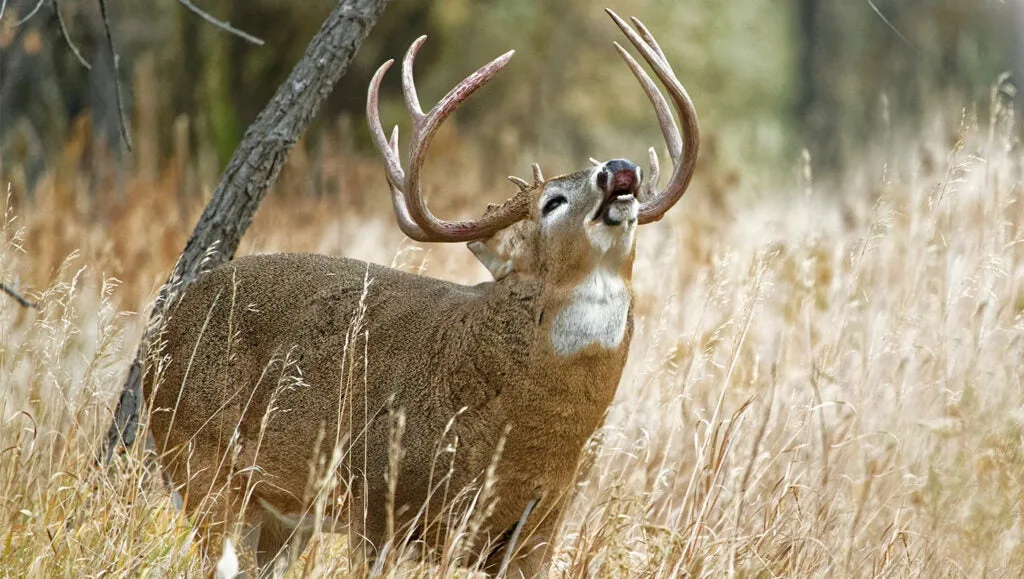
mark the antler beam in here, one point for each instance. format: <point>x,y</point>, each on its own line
<point>414,217</point>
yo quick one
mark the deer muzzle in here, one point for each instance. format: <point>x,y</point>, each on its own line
<point>619,181</point>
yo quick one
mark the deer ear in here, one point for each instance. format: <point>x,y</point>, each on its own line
<point>496,263</point>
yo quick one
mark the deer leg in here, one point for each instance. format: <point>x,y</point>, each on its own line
<point>532,556</point>
<point>228,548</point>
<point>533,561</point>
<point>532,549</point>
<point>280,544</point>
<point>227,535</point>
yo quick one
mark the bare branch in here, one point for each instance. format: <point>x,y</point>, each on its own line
<point>17,297</point>
<point>64,33</point>
<point>223,25</point>
<point>115,59</point>
<point>117,79</point>
<point>30,14</point>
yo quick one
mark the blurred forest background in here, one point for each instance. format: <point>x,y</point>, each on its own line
<point>769,78</point>
<point>825,377</point>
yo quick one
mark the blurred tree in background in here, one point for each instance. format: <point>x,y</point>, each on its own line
<point>768,77</point>
<point>866,64</point>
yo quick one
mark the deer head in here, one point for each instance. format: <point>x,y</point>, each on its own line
<point>560,229</point>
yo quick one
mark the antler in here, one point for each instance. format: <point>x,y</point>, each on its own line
<point>414,218</point>
<point>682,149</point>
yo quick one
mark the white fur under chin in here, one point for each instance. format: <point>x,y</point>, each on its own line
<point>606,239</point>
<point>595,314</point>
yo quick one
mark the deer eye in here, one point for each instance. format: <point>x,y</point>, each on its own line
<point>554,203</point>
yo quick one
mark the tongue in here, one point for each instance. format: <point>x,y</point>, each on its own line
<point>623,182</point>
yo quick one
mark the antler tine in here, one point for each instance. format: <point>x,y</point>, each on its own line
<point>665,120</point>
<point>388,149</point>
<point>649,39</point>
<point>651,183</point>
<point>392,163</point>
<point>455,230</point>
<point>414,217</point>
<point>405,222</point>
<point>538,175</point>
<point>685,162</point>
<point>521,183</point>
<point>595,162</point>
<point>393,141</point>
<point>412,100</point>
<point>393,144</point>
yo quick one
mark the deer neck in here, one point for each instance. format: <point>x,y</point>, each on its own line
<point>557,339</point>
<point>547,359</point>
<point>581,340</point>
<point>590,315</point>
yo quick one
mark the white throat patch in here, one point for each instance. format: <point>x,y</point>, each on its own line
<point>595,314</point>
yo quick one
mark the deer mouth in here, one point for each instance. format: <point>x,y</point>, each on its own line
<point>617,209</point>
<point>619,203</point>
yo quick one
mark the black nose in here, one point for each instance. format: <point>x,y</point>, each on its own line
<point>619,177</point>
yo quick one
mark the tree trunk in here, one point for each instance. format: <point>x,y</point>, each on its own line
<point>816,106</point>
<point>251,171</point>
<point>1017,58</point>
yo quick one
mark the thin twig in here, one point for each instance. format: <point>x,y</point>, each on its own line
<point>117,82</point>
<point>3,7</point>
<point>878,12</point>
<point>30,14</point>
<point>17,297</point>
<point>66,35</point>
<point>223,25</point>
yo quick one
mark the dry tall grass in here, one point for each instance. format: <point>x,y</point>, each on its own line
<point>821,383</point>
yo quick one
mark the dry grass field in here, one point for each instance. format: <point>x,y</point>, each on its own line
<point>825,380</point>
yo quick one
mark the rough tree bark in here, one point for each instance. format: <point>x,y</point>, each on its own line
<point>251,171</point>
<point>1017,58</point>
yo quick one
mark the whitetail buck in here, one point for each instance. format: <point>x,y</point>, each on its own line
<point>287,372</point>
